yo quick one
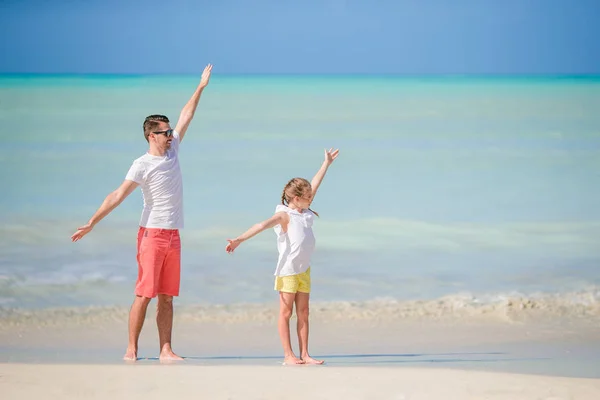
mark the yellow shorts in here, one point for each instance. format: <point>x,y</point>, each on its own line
<point>293,283</point>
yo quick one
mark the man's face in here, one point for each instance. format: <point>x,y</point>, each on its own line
<point>163,135</point>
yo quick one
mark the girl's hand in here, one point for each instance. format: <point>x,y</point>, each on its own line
<point>233,244</point>
<point>331,155</point>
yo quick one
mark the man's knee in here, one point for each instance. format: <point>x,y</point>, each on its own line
<point>144,301</point>
<point>165,299</point>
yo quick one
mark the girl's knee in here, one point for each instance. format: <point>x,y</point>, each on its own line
<point>302,314</point>
<point>285,313</point>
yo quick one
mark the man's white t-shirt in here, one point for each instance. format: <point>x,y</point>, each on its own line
<point>162,187</point>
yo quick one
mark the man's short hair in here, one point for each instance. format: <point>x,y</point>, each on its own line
<point>151,123</point>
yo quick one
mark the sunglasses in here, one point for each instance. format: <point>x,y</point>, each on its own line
<point>168,133</point>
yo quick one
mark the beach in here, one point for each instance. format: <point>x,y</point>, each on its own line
<point>457,252</point>
<point>77,354</point>
<point>234,382</point>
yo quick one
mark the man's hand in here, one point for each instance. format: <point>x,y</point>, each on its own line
<point>81,232</point>
<point>205,76</point>
<point>331,155</point>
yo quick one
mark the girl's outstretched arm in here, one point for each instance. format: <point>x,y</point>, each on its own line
<point>280,218</point>
<point>330,155</point>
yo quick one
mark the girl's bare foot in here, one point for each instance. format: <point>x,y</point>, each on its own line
<point>291,360</point>
<point>130,355</point>
<point>310,360</point>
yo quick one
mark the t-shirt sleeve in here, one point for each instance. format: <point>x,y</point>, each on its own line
<point>175,142</point>
<point>136,173</point>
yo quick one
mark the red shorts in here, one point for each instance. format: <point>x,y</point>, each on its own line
<point>159,258</point>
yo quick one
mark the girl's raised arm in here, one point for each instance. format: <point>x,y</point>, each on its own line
<point>330,155</point>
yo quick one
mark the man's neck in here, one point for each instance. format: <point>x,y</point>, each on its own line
<point>153,151</point>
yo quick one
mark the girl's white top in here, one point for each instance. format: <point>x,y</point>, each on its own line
<point>297,245</point>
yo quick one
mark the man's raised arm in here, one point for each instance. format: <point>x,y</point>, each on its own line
<point>187,114</point>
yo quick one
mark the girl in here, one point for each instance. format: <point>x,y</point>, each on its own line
<point>292,222</point>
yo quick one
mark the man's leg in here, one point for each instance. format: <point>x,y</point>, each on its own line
<point>137,314</point>
<point>151,252</point>
<point>168,287</point>
<point>164,320</point>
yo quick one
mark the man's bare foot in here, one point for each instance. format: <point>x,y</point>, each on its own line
<point>310,360</point>
<point>292,360</point>
<point>169,356</point>
<point>130,355</point>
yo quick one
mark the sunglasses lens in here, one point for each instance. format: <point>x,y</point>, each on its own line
<point>168,133</point>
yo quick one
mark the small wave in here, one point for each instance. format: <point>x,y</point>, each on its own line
<point>506,307</point>
<point>374,233</point>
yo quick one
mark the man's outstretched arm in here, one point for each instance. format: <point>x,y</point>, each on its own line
<point>110,203</point>
<point>187,114</point>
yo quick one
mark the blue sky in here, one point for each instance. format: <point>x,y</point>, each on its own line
<point>293,36</point>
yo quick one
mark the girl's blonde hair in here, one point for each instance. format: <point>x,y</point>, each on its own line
<point>296,187</point>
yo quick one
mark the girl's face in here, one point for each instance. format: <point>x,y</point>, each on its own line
<point>305,200</point>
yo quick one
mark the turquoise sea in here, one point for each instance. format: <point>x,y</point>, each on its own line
<point>474,189</point>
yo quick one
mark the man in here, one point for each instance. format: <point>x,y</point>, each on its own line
<point>158,244</point>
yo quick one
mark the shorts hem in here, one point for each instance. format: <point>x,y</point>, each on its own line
<point>156,294</point>
<point>144,295</point>
<point>289,291</point>
<point>286,291</point>
<point>169,294</point>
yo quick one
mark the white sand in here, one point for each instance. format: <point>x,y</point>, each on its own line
<point>23,381</point>
<point>78,357</point>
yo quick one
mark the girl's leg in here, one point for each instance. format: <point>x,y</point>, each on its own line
<point>302,314</point>
<point>286,305</point>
